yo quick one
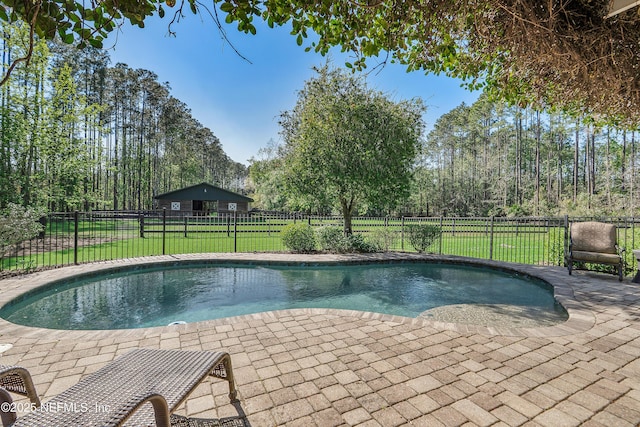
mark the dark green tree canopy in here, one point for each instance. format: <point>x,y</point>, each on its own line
<point>564,54</point>
<point>348,145</point>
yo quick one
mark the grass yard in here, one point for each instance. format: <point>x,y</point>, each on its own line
<point>152,244</point>
<point>98,238</point>
<point>122,240</point>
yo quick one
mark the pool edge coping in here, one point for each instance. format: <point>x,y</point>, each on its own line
<point>580,319</point>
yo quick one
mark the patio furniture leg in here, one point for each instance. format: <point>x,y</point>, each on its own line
<point>17,379</point>
<point>636,279</point>
<point>227,375</point>
<point>8,417</point>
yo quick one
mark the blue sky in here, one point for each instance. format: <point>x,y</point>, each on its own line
<point>241,101</point>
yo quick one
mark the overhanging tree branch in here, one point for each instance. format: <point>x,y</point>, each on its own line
<point>560,53</point>
<point>27,57</point>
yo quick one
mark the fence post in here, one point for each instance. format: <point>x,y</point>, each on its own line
<point>633,237</point>
<point>141,221</point>
<point>402,234</point>
<point>566,237</point>
<point>235,231</point>
<point>491,240</point>
<point>441,233</point>
<point>75,237</point>
<point>164,229</point>
<point>186,220</point>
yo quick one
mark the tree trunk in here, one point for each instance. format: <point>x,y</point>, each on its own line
<point>347,212</point>
<point>549,169</point>
<point>518,155</point>
<point>593,162</point>
<point>608,168</point>
<point>633,174</point>
<point>624,162</point>
<point>116,165</point>
<point>576,160</point>
<point>537,165</point>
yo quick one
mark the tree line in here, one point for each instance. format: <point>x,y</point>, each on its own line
<point>78,133</point>
<point>490,158</point>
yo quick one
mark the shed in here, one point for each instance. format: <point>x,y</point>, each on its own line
<point>202,199</point>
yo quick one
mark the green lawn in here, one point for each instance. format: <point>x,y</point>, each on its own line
<point>511,240</point>
<point>123,241</point>
<point>152,244</point>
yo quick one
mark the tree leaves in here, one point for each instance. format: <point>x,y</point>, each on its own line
<point>525,52</point>
<point>528,52</point>
<point>347,144</point>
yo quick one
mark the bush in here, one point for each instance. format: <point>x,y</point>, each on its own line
<point>555,246</point>
<point>299,238</point>
<point>421,236</point>
<point>357,243</point>
<point>332,239</point>
<point>18,224</point>
<point>383,238</point>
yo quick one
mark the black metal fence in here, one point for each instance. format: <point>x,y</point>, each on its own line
<point>79,237</point>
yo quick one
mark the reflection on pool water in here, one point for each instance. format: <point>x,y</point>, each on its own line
<point>161,295</point>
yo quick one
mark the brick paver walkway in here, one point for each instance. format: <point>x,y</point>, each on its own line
<point>314,367</point>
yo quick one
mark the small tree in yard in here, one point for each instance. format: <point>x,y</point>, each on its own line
<point>346,145</point>
<point>421,236</point>
<point>18,224</point>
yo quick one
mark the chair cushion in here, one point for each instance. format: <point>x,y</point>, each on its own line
<point>596,257</point>
<point>593,236</point>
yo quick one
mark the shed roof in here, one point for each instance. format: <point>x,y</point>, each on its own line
<point>204,191</point>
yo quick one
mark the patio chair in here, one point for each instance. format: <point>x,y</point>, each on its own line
<point>596,243</point>
<point>141,388</point>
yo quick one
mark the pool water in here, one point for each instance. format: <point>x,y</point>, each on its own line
<point>162,295</point>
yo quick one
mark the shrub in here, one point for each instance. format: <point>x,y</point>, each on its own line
<point>332,239</point>
<point>18,224</point>
<point>357,243</point>
<point>555,246</point>
<point>421,236</point>
<point>383,238</point>
<point>299,237</point>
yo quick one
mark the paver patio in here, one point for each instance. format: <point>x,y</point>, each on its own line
<point>317,367</point>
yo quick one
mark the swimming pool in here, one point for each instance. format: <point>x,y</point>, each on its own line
<point>159,295</point>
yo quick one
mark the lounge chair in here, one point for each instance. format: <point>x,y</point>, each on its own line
<point>594,242</point>
<point>142,388</point>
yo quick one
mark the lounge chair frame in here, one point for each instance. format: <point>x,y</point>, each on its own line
<point>142,387</point>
